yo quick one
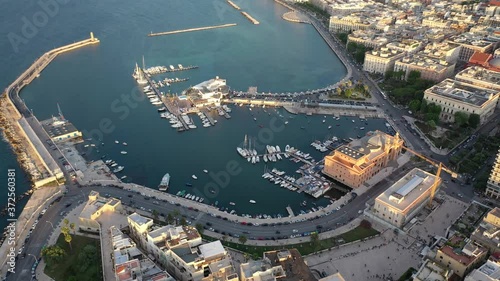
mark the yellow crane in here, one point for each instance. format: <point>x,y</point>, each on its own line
<point>439,166</point>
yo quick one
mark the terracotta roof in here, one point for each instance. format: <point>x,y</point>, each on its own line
<point>479,57</point>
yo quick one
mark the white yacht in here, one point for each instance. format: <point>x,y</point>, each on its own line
<point>194,177</point>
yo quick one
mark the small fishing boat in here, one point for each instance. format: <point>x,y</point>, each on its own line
<point>125,143</point>
<point>252,201</point>
<point>205,171</point>
<point>117,141</point>
<point>194,177</point>
<point>189,184</point>
<point>123,152</point>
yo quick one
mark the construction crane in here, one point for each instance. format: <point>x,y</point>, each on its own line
<point>439,166</point>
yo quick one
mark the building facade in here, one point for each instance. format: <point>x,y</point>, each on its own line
<point>493,185</point>
<point>455,96</point>
<point>406,197</point>
<point>382,60</point>
<point>361,159</point>
<point>429,68</point>
<point>460,255</point>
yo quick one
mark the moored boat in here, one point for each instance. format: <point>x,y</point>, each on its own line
<point>164,182</point>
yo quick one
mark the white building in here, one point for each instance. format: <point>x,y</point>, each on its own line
<point>490,271</point>
<point>429,68</point>
<point>493,185</point>
<point>405,198</point>
<point>381,61</point>
<point>455,96</point>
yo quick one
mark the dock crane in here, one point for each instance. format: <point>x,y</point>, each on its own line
<point>440,167</point>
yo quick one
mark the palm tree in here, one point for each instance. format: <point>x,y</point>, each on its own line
<point>155,214</point>
<point>72,227</point>
<point>68,238</point>
<point>243,239</point>
<point>66,222</point>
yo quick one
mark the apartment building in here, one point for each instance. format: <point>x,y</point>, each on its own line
<point>487,232</point>
<point>429,68</point>
<point>442,51</point>
<point>471,43</point>
<point>493,185</point>
<point>368,38</point>
<point>480,76</point>
<point>460,255</point>
<point>179,249</point>
<point>382,60</point>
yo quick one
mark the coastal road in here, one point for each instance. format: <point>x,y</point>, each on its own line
<point>53,216</point>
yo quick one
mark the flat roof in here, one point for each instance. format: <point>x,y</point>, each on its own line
<point>212,249</point>
<point>353,153</point>
<point>58,127</point>
<point>184,252</point>
<point>406,190</point>
<point>138,219</point>
<point>463,92</point>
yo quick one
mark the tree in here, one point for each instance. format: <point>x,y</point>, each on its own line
<point>170,218</point>
<point>314,240</point>
<point>423,106</point>
<point>183,221</point>
<point>53,254</point>
<point>87,257</point>
<point>432,124</point>
<point>200,228</point>
<point>155,214</point>
<point>68,238</point>
<point>66,222</point>
<point>242,239</point>
<point>474,120</point>
<point>365,224</point>
<point>65,230</point>
<point>414,105</point>
<point>351,47</point>
<point>413,76</point>
<point>72,227</point>
<point>342,37</point>
<point>461,118</point>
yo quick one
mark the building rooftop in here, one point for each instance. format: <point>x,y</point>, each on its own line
<point>480,75</point>
<point>185,252</point>
<point>139,220</point>
<point>464,92</point>
<point>463,252</point>
<point>433,271</point>
<point>384,52</point>
<point>353,153</point>
<point>426,62</point>
<point>403,193</point>
<point>294,266</point>
<point>127,270</point>
<point>93,206</point>
<point>57,126</point>
<point>212,250</point>
<point>490,271</point>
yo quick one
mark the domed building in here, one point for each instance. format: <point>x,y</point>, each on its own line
<point>357,162</point>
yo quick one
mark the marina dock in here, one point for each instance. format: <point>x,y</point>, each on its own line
<point>191,29</point>
<point>233,5</point>
<point>162,69</point>
<point>250,18</point>
<point>290,211</point>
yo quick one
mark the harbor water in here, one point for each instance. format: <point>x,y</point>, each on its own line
<point>96,92</point>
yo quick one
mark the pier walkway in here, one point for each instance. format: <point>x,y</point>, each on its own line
<point>191,29</point>
<point>23,114</point>
<point>233,5</point>
<point>250,18</point>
